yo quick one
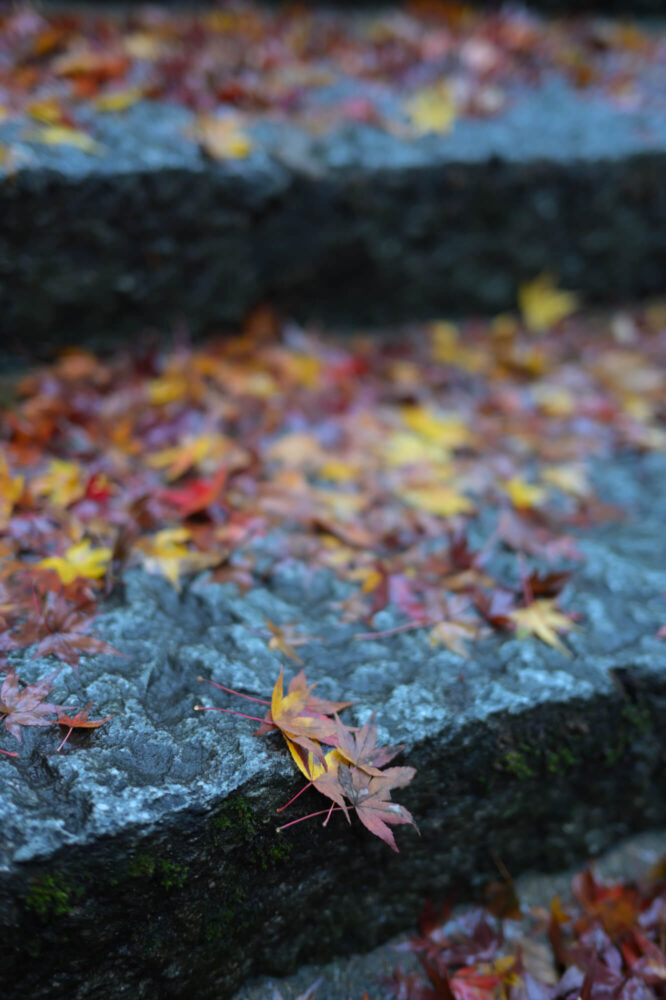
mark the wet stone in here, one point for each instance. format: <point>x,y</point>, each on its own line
<point>143,860</point>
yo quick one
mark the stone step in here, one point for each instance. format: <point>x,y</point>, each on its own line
<point>357,224</point>
<point>358,974</point>
<point>147,863</point>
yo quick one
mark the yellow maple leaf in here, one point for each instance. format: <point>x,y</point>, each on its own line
<point>570,479</point>
<point>62,483</point>
<point>447,349</point>
<point>11,488</point>
<point>432,109</point>
<point>166,553</point>
<point>80,560</point>
<point>118,100</point>
<point>60,135</point>
<point>222,138</point>
<point>205,451</point>
<point>524,495</point>
<point>543,305</point>
<point>542,619</point>
<point>405,448</point>
<point>453,635</point>
<point>445,501</point>
<point>449,431</point>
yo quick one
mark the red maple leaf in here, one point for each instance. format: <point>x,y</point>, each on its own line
<point>26,706</point>
<point>79,721</point>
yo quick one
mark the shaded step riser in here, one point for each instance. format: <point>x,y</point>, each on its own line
<point>109,254</point>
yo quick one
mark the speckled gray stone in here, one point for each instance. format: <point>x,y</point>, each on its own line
<point>353,226</point>
<point>143,860</point>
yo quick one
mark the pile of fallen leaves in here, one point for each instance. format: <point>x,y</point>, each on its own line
<point>608,944</point>
<point>410,70</point>
<point>353,774</point>
<point>441,471</point>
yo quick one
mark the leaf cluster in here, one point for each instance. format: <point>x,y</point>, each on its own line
<point>607,943</point>
<point>353,775</point>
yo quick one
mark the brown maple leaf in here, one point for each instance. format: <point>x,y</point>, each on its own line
<point>370,796</point>
<point>58,630</point>
<point>78,721</point>
<point>26,706</point>
<point>360,748</point>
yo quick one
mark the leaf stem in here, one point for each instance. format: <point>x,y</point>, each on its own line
<point>230,711</point>
<point>69,733</point>
<point>321,812</point>
<point>294,797</point>
<point>260,701</point>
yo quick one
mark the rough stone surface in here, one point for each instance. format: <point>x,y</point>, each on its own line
<point>357,225</point>
<point>143,861</point>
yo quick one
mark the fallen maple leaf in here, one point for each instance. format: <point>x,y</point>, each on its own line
<point>58,629</point>
<point>60,135</point>
<point>80,560</point>
<point>26,706</point>
<point>360,748</point>
<point>223,138</point>
<point>541,618</point>
<point>79,721</point>
<point>543,305</point>
<point>370,796</point>
<point>301,716</point>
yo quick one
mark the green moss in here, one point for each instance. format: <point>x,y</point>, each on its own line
<point>638,716</point>
<point>515,762</point>
<point>143,866</point>
<point>238,815</point>
<point>276,854</point>
<point>229,915</point>
<point>50,896</point>
<point>172,876</point>
<point>168,874</point>
<point>560,761</point>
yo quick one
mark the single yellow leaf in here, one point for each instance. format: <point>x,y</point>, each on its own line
<point>63,483</point>
<point>11,488</point>
<point>448,431</point>
<point>60,135</point>
<point>447,349</point>
<point>453,635</point>
<point>432,109</point>
<point>222,138</point>
<point>118,100</point>
<point>542,619</point>
<point>570,479</point>
<point>524,495</point>
<point>48,111</point>
<point>445,501</point>
<point>543,305</point>
<point>403,448</point>
<point>80,560</point>
<point>166,553</point>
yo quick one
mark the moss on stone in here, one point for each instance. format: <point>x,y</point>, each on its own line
<point>50,896</point>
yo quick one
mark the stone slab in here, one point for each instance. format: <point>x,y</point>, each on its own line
<point>355,225</point>
<point>143,861</point>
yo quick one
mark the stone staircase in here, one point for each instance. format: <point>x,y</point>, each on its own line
<point>152,869</point>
